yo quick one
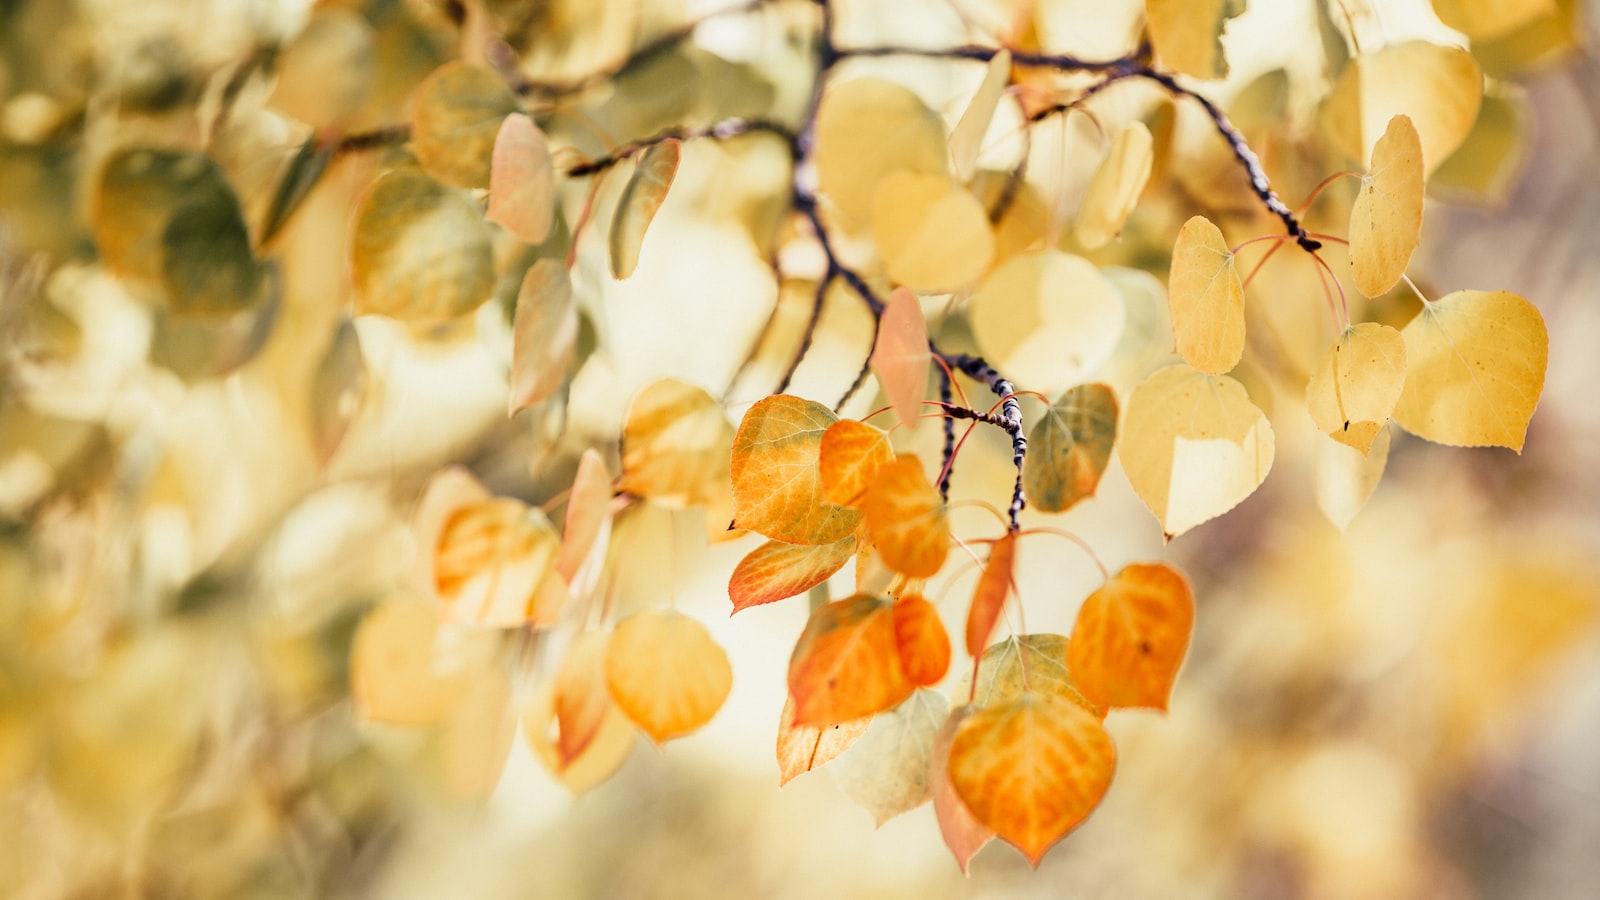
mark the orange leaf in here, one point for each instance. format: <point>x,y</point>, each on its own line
<point>521,181</point>
<point>1032,769</point>
<point>802,748</point>
<point>994,586</point>
<point>900,355</point>
<point>846,664</point>
<point>394,676</point>
<point>961,830</point>
<point>906,519</point>
<point>1131,636</point>
<point>848,463</point>
<point>675,445</point>
<point>666,673</point>
<point>776,571</point>
<point>588,516</point>
<point>923,642</point>
<point>581,697</point>
<point>777,487</point>
<point>612,743</point>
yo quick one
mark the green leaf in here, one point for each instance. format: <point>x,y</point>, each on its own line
<point>1069,447</point>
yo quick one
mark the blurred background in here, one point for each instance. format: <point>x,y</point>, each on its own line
<point>194,519</point>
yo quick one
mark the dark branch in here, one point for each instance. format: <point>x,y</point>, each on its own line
<point>723,130</point>
<point>1009,418</point>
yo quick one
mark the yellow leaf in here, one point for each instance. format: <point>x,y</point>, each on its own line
<point>900,355</point>
<point>1069,447</point>
<point>966,139</point>
<point>961,830</point>
<point>1475,364</point>
<point>587,521</point>
<point>1482,20</point>
<point>420,252</point>
<point>491,561</point>
<point>1025,222</point>
<point>455,117</point>
<point>1345,477</point>
<point>802,748</point>
<point>852,452</point>
<point>522,181</point>
<point>1489,161</point>
<point>1386,219</point>
<point>582,699</point>
<point>1116,186</point>
<point>1048,319</point>
<point>1354,390</point>
<point>641,198</point>
<point>1193,446</point>
<point>846,663</point>
<point>1206,298</point>
<point>1131,636</point>
<point>666,673</point>
<point>867,128</point>
<point>477,737</point>
<point>338,388</point>
<point>394,678</point>
<point>600,758</point>
<point>932,234</point>
<point>906,520</point>
<point>777,488</point>
<point>776,571</point>
<point>1539,43</point>
<point>1035,663</point>
<point>1186,34</point>
<point>1032,769</point>
<point>675,445</point>
<point>323,77</point>
<point>1438,87</point>
<point>887,771</point>
<point>544,334</point>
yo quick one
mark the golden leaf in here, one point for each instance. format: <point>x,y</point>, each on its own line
<point>1437,87</point>
<point>1206,298</point>
<point>1131,636</point>
<point>675,445</point>
<point>867,128</point>
<point>1386,219</point>
<point>666,673</point>
<point>1115,187</point>
<point>420,252</point>
<point>455,117</point>
<point>1355,388</point>
<point>1186,34</point>
<point>1048,318</point>
<point>776,571</point>
<point>777,487</point>
<point>900,356</point>
<point>544,334</point>
<point>847,664</point>
<point>932,234</point>
<point>641,198</point>
<point>906,520</point>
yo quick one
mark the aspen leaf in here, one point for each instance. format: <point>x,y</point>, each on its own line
<point>1024,663</point>
<point>1345,477</point>
<point>1486,166</point>
<point>420,252</point>
<point>581,696</point>
<point>776,571</point>
<point>666,673</point>
<point>522,181</point>
<point>887,771</point>
<point>1475,365</point>
<point>852,452</point>
<point>923,642</point>
<point>1048,318</point>
<point>1069,447</point>
<point>933,235</point>
<point>1193,446</point>
<point>966,139</point>
<point>1206,298</point>
<point>1482,20</point>
<point>900,357</point>
<point>544,334</point>
<point>641,198</point>
<point>1131,636</point>
<point>490,563</point>
<point>802,748</point>
<point>867,128</point>
<point>1186,34</point>
<point>600,758</point>
<point>477,737</point>
<point>394,678</point>
<point>588,518</point>
<point>1539,43</point>
<point>1437,87</point>
<point>675,445</point>
<point>906,520</point>
<point>777,485</point>
<point>961,830</point>
<point>1115,187</point>
<point>455,118</point>
<point>303,173</point>
<point>1024,224</point>
<point>994,587</point>
<point>847,664</point>
<point>1355,388</point>
<point>1386,218</point>
<point>337,388</point>
<point>1032,769</point>
<point>323,76</point>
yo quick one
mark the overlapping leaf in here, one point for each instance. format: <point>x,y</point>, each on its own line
<point>802,748</point>
<point>777,485</point>
<point>675,445</point>
<point>1438,87</point>
<point>867,128</point>
<point>900,358</point>
<point>1386,219</point>
<point>961,830</point>
<point>1048,318</point>
<point>455,117</point>
<point>1186,34</point>
<point>994,587</point>
<point>1116,186</point>
<point>923,643</point>
<point>582,699</point>
<point>544,334</point>
<point>394,678</point>
<point>666,673</point>
<point>641,199</point>
<point>1069,447</point>
<point>522,181</point>
<point>846,664</point>
<point>491,561</point>
<point>966,139</point>
<point>776,571</point>
<point>1023,663</point>
<point>1355,389</point>
<point>1483,20</point>
<point>600,757</point>
<point>1475,366</point>
<point>1206,298</point>
<point>852,452</point>
<point>1344,477</point>
<point>588,518</point>
<point>1131,636</point>
<point>887,771</point>
<point>906,520</point>
<point>420,252</point>
<point>932,233</point>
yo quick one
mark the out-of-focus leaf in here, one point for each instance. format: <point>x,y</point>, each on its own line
<point>924,644</point>
<point>776,571</point>
<point>455,117</point>
<point>1048,319</point>
<point>1437,87</point>
<point>900,356</point>
<point>848,461</point>
<point>1069,447</point>
<point>802,748</point>
<point>522,181</point>
<point>961,830</point>
<point>846,664</point>
<point>1131,636</point>
<point>393,675</point>
<point>906,520</point>
<point>1386,219</point>
<point>641,198</point>
<point>1186,35</point>
<point>1116,186</point>
<point>420,252</point>
<point>1487,164</point>
<point>582,699</point>
<point>477,737</point>
<point>491,563</point>
<point>1539,43</point>
<point>1345,477</point>
<point>1352,393</point>
<point>867,128</point>
<point>600,759</point>
<point>933,235</point>
<point>777,486</point>
<point>966,139</point>
<point>304,171</point>
<point>1475,365</point>
<point>1206,298</point>
<point>666,673</point>
<point>1193,446</point>
<point>544,334</point>
<point>337,389</point>
<point>675,445</point>
<point>588,517</point>
<point>1482,20</point>
<point>994,588</point>
<point>887,771</point>
<point>324,75</point>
